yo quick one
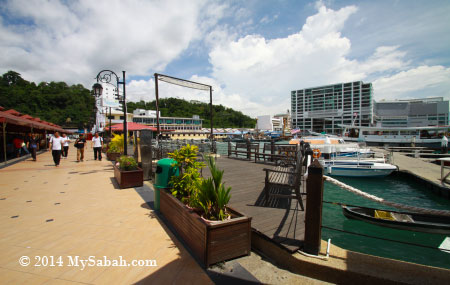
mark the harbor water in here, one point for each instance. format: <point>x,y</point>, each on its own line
<point>393,188</point>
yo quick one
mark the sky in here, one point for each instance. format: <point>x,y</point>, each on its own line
<point>253,52</point>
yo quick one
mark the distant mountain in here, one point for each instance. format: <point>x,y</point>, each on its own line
<point>223,117</point>
<point>54,102</point>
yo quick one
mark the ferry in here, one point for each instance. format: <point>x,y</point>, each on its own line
<point>406,136</point>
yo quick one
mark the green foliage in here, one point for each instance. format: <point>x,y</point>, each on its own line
<point>54,102</point>
<point>212,194</point>
<point>127,163</point>
<point>113,148</point>
<point>223,117</point>
<point>184,185</point>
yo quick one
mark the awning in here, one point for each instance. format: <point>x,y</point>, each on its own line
<point>16,118</point>
<point>131,126</point>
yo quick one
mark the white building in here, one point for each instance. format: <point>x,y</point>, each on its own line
<point>148,117</point>
<point>269,123</point>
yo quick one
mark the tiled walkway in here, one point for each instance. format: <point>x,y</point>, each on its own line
<point>76,210</point>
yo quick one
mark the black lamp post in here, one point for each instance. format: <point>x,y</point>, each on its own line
<point>105,76</point>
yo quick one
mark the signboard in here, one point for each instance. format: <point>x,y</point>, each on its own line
<point>108,102</point>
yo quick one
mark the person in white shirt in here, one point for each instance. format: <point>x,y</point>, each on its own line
<point>66,142</point>
<point>97,144</point>
<point>444,144</point>
<point>56,143</point>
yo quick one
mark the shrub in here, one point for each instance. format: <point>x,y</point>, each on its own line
<point>113,148</point>
<point>127,163</point>
<point>184,185</point>
<point>212,196</point>
<point>118,141</point>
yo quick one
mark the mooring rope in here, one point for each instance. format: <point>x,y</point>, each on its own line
<point>385,202</point>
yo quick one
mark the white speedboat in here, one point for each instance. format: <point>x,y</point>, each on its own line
<point>357,168</point>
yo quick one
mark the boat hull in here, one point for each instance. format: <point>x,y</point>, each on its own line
<point>419,223</point>
<point>349,171</point>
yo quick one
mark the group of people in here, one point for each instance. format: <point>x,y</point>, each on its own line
<point>60,147</point>
<point>29,145</point>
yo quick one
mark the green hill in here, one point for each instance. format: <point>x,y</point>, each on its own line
<point>223,117</point>
<point>73,106</point>
<point>54,102</point>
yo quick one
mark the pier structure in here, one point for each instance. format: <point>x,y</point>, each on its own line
<point>278,232</point>
<point>424,172</point>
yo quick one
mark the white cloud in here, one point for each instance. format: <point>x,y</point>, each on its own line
<point>73,40</point>
<point>420,82</point>
<point>265,71</point>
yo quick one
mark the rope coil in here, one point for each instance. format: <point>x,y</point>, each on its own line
<point>385,202</point>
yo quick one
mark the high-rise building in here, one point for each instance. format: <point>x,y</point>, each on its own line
<point>323,108</point>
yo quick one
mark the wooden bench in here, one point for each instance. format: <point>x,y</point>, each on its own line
<point>286,177</point>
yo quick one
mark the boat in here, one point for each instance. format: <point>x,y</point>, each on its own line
<point>357,168</point>
<point>400,220</point>
<point>396,136</point>
<point>332,146</point>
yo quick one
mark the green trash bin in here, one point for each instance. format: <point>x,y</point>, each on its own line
<point>164,171</point>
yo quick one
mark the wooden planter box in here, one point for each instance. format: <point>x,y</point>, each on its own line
<point>128,179</point>
<point>113,156</point>
<point>210,242</point>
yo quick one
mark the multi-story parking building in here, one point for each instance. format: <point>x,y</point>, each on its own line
<point>412,113</point>
<point>323,108</point>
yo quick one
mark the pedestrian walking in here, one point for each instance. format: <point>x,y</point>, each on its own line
<point>80,144</point>
<point>56,143</point>
<point>444,144</point>
<point>66,142</point>
<point>33,143</point>
<point>97,145</point>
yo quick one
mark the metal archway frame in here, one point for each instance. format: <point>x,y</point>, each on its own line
<point>183,83</point>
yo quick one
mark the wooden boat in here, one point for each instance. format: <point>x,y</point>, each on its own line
<point>400,220</point>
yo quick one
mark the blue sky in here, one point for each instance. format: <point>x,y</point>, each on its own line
<point>252,52</point>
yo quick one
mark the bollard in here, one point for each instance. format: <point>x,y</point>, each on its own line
<point>313,215</point>
<point>145,144</point>
<point>272,149</point>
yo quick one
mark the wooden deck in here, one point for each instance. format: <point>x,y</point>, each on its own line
<point>279,219</point>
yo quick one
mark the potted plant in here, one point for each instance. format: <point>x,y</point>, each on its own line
<point>197,209</point>
<point>127,173</point>
<point>113,152</point>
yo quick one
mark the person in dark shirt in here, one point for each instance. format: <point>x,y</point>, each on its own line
<point>80,144</point>
<point>33,143</point>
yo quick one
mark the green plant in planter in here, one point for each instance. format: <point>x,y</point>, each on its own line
<point>113,148</point>
<point>212,195</point>
<point>184,185</point>
<point>127,163</point>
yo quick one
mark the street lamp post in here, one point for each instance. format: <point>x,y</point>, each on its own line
<point>105,76</point>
